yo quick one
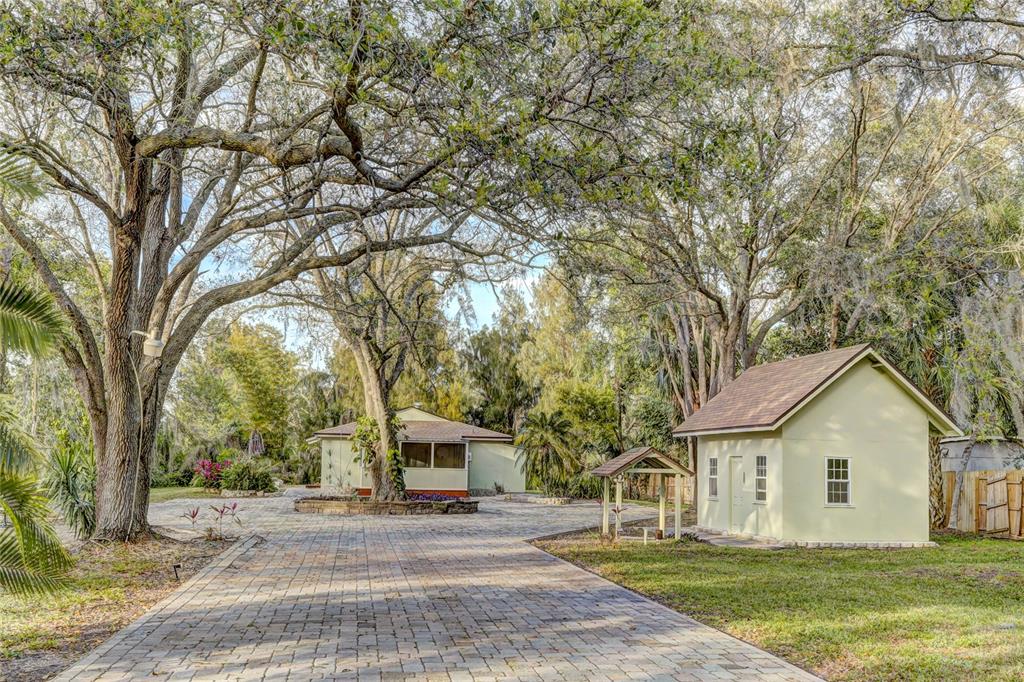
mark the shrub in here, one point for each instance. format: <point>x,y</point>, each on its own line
<point>70,481</point>
<point>248,474</point>
<point>303,467</point>
<point>228,455</point>
<point>160,479</point>
<point>208,473</point>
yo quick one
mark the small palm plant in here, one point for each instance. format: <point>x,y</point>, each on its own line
<point>32,559</point>
<point>70,481</point>
<point>545,452</point>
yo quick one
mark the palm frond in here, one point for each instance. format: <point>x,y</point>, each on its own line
<point>29,321</point>
<point>21,578</point>
<point>18,177</point>
<point>32,559</point>
<point>18,450</point>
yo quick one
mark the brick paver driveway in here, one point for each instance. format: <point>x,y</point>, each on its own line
<point>464,597</point>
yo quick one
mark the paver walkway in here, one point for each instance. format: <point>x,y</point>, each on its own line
<point>428,597</point>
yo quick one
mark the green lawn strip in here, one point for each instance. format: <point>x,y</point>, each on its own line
<point>951,613</point>
<point>174,493</point>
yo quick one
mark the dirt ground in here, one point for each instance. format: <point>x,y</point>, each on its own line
<point>111,585</point>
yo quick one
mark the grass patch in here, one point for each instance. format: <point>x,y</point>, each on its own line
<point>111,585</point>
<point>177,492</point>
<point>955,612</point>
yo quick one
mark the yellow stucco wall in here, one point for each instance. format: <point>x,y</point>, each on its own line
<point>338,468</point>
<point>495,463</point>
<point>489,463</point>
<point>740,513</point>
<point>865,416</point>
<point>435,479</point>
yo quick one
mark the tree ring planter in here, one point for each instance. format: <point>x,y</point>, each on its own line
<point>250,493</point>
<point>346,506</point>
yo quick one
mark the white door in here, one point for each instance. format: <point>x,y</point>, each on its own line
<point>736,510</point>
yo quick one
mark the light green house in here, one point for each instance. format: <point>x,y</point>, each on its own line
<point>440,456</point>
<point>824,449</point>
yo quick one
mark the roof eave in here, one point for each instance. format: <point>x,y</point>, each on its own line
<point>937,416</point>
<point>760,428</point>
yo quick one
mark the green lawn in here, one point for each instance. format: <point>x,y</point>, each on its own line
<point>951,613</point>
<point>176,492</point>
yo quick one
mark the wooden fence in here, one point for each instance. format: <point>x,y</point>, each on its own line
<point>985,502</point>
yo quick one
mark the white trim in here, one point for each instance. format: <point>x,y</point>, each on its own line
<point>848,481</point>
<point>716,477</point>
<point>717,432</point>
<point>761,478</point>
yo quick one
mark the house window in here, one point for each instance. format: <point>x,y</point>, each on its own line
<point>712,477</point>
<point>761,478</point>
<point>837,480</point>
<point>416,455</point>
<point>449,456</point>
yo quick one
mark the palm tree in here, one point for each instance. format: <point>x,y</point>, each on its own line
<point>544,448</point>
<point>32,559</point>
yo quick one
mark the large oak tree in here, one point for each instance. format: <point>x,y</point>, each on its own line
<point>200,153</point>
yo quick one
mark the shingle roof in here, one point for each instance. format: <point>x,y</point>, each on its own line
<point>427,430</point>
<point>617,465</point>
<point>764,394</point>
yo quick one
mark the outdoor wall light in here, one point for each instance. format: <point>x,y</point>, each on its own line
<point>153,346</point>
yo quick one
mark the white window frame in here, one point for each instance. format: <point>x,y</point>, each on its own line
<point>433,446</point>
<point>759,478</point>
<point>713,477</point>
<point>403,443</point>
<point>465,455</point>
<point>848,481</point>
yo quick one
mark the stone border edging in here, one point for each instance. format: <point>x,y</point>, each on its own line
<point>808,544</point>
<point>205,575</point>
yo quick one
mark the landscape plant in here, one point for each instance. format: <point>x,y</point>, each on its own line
<point>32,559</point>
<point>247,474</point>
<point>70,481</point>
<point>220,513</point>
<point>367,442</point>
<point>208,473</point>
<point>192,515</point>
<point>545,452</point>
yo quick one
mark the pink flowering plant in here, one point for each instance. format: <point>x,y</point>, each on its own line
<point>229,511</point>
<point>207,473</point>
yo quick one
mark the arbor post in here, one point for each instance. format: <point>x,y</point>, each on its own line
<point>604,506</point>
<point>678,518</point>
<point>618,505</point>
<point>662,502</point>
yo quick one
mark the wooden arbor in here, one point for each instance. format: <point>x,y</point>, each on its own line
<point>642,460</point>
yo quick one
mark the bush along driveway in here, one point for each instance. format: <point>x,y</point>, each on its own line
<point>955,612</point>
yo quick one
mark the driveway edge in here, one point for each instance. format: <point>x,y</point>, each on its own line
<point>204,576</point>
<point>665,607</point>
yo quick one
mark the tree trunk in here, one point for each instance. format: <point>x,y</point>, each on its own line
<point>387,479</point>
<point>833,327</point>
<point>122,461</point>
<point>936,499</point>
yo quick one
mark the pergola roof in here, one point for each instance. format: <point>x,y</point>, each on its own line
<point>645,457</point>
